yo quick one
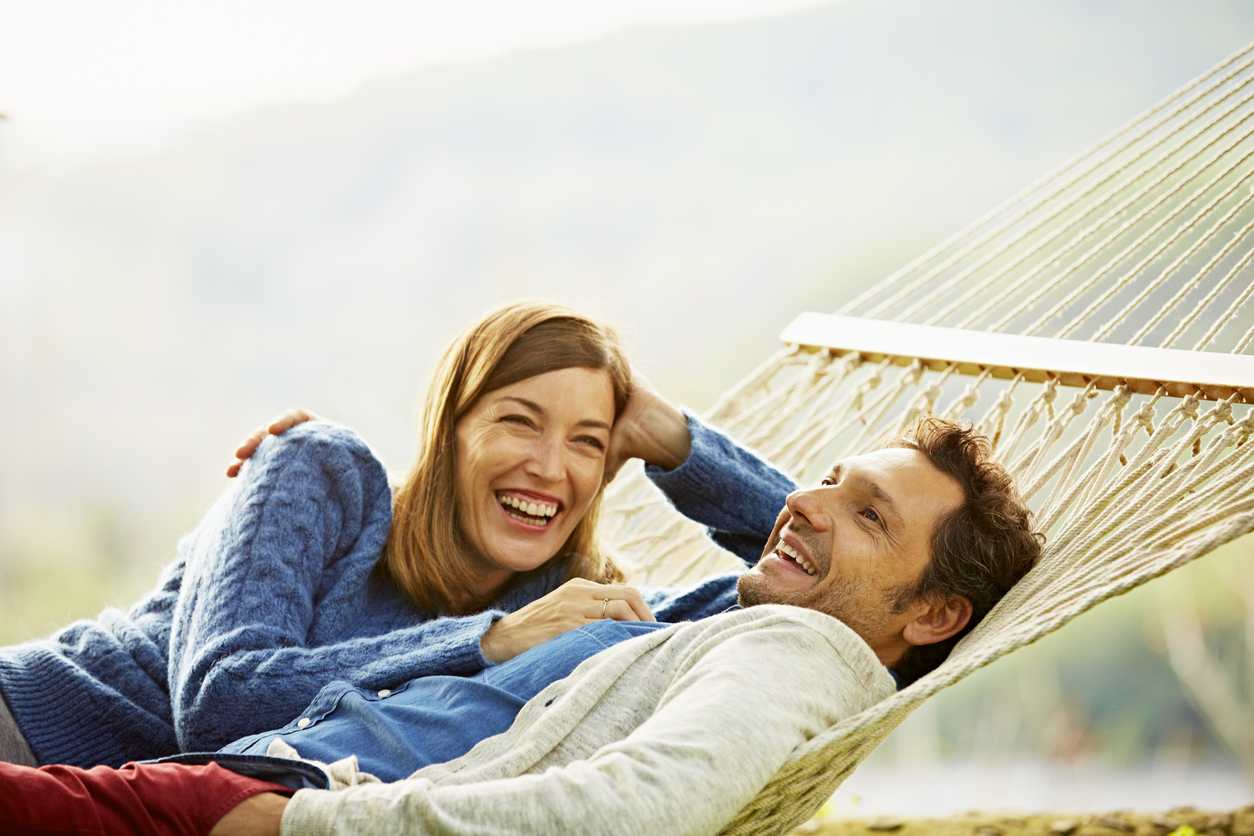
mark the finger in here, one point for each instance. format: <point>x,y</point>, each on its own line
<point>625,600</point>
<point>249,445</point>
<point>631,597</point>
<point>621,611</point>
<point>232,469</point>
<point>289,419</point>
<point>635,600</point>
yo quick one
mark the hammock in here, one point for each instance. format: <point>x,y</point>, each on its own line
<point>1111,283</point>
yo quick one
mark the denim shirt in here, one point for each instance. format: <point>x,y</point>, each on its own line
<point>433,719</point>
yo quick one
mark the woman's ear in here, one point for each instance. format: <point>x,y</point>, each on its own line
<point>939,621</point>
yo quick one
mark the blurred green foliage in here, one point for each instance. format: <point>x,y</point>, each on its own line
<point>1101,686</point>
<point>56,569</point>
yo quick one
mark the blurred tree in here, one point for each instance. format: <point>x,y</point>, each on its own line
<point>1212,650</point>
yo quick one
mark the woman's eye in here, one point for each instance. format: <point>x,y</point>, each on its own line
<point>517,419</point>
<point>591,441</point>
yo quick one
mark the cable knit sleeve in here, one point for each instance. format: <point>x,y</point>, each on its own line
<point>280,597</point>
<point>728,488</point>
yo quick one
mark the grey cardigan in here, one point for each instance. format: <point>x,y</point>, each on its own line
<point>672,732</point>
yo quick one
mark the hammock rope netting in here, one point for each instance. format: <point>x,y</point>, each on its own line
<point>1141,240</point>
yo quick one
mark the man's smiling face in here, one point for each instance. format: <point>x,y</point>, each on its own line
<point>855,546</point>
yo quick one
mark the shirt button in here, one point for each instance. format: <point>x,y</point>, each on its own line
<point>385,692</point>
<point>302,722</point>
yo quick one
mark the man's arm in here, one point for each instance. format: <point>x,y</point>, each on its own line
<point>720,732</point>
<point>256,816</point>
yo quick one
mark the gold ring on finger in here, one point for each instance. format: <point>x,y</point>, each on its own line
<point>604,606</point>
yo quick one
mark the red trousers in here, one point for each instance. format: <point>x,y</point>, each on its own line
<point>161,799</point>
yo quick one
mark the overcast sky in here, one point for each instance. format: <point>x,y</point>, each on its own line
<point>86,79</point>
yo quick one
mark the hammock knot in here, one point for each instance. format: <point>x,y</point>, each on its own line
<point>1188,407</point>
<point>1244,428</point>
<point>1223,412</point>
<point>1145,417</point>
<point>915,374</point>
<point>1080,402</point>
<point>821,363</point>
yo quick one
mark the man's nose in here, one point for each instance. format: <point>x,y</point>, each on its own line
<point>807,506</point>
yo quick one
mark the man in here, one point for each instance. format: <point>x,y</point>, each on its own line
<point>894,556</point>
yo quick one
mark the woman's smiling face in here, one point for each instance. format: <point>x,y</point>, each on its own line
<point>530,459</point>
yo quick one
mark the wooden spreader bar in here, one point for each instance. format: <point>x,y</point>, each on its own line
<point>1209,375</point>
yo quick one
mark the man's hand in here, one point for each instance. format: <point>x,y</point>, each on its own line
<point>259,815</point>
<point>573,604</point>
<point>278,426</point>
<point>650,428</point>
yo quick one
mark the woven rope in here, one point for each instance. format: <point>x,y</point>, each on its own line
<point>1141,238</point>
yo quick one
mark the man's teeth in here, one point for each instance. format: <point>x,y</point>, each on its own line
<point>789,552</point>
<point>537,510</point>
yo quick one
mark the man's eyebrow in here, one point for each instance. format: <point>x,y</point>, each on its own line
<point>869,485</point>
<point>535,407</point>
<point>873,488</point>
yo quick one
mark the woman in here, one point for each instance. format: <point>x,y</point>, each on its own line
<point>309,570</point>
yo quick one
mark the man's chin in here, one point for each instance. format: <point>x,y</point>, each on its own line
<point>754,588</point>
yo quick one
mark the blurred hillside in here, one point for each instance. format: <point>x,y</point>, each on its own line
<point>701,186</point>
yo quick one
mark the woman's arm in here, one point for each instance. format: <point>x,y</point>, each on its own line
<point>707,476</point>
<point>280,595</point>
<point>726,487</point>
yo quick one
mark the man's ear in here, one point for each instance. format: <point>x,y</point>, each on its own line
<point>941,619</point>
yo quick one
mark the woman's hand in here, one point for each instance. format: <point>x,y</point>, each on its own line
<point>573,604</point>
<point>278,426</point>
<point>650,428</point>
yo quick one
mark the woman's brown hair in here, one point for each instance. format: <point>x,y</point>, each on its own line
<point>426,548</point>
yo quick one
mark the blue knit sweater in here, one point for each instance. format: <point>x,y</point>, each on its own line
<point>275,593</point>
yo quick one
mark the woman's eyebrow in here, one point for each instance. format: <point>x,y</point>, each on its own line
<point>532,405</point>
<point>535,407</point>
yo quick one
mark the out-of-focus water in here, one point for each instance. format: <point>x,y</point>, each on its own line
<point>1025,786</point>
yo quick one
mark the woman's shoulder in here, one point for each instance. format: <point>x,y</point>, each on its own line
<point>321,435</point>
<point>320,445</point>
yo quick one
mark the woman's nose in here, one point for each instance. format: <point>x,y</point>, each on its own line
<point>807,505</point>
<point>547,461</point>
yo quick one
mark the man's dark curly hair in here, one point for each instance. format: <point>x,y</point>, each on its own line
<point>980,549</point>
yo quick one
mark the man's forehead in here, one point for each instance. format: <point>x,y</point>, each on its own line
<point>903,474</point>
<point>888,458</point>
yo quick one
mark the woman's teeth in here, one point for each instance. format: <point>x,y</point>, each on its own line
<point>791,553</point>
<point>532,513</point>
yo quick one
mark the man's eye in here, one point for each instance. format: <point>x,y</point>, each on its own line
<point>828,481</point>
<point>873,515</point>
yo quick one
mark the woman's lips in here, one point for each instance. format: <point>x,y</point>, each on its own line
<point>535,511</point>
